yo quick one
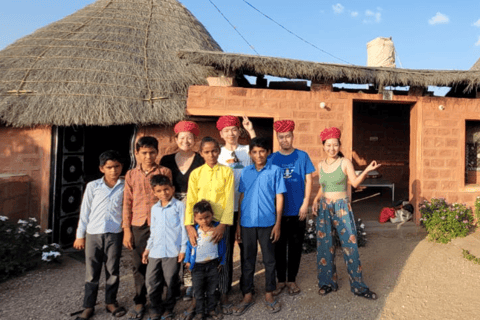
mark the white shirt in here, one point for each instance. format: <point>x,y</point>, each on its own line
<point>227,158</point>
<point>206,249</point>
<point>101,210</point>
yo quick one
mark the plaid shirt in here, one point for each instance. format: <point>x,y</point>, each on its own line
<point>138,197</point>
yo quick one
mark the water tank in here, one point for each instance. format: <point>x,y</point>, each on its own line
<point>381,53</point>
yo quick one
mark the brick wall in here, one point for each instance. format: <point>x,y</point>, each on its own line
<point>27,152</point>
<point>436,143</point>
<point>15,196</point>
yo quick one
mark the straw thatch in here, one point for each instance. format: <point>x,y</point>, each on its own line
<point>113,62</point>
<point>476,66</point>
<point>336,73</point>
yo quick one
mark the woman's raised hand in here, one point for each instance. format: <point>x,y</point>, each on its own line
<point>373,166</point>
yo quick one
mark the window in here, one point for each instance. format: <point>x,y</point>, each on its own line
<point>472,152</point>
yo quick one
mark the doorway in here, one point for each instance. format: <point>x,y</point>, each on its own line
<point>381,132</point>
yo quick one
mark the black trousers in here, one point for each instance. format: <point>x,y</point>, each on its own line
<point>162,272</point>
<point>99,248</point>
<point>205,280</point>
<point>140,238</point>
<point>288,250</point>
<point>250,236</point>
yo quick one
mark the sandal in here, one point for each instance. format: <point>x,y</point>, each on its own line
<point>324,290</point>
<point>293,289</point>
<point>226,308</point>
<point>134,314</point>
<point>273,307</point>
<point>242,308</point>
<point>279,289</point>
<point>117,312</point>
<point>214,315</point>
<point>367,294</point>
<point>82,318</point>
<point>167,315</point>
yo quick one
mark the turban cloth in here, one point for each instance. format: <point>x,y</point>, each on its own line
<point>330,133</point>
<point>284,126</point>
<point>227,121</point>
<point>187,126</point>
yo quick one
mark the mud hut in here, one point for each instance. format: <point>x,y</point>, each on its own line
<point>426,144</point>
<point>87,83</point>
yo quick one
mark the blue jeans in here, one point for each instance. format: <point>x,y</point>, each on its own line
<point>337,215</point>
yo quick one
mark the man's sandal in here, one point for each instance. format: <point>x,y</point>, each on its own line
<point>367,294</point>
<point>134,314</point>
<point>117,312</point>
<point>279,289</point>
<point>273,307</point>
<point>293,289</point>
<point>324,290</point>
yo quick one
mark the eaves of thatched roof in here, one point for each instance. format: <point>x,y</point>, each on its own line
<point>333,73</point>
<point>112,62</point>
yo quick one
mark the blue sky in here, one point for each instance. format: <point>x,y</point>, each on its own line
<point>427,34</point>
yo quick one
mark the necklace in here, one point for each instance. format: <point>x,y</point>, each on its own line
<point>329,164</point>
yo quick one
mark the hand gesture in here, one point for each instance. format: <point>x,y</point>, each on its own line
<point>247,124</point>
<point>373,166</point>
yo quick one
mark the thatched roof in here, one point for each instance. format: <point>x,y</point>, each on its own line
<point>336,73</point>
<point>112,62</point>
<point>476,66</point>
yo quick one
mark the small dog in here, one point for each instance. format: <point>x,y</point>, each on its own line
<point>403,213</point>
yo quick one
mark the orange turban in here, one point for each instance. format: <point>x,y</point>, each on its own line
<point>187,126</point>
<point>227,121</point>
<point>330,133</point>
<point>284,126</point>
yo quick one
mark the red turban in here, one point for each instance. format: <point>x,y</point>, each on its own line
<point>227,121</point>
<point>330,133</point>
<point>187,126</point>
<point>284,126</point>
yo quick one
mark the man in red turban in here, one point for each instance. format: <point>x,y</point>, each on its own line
<point>297,174</point>
<point>235,156</point>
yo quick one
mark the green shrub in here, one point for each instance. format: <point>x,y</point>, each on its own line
<point>23,246</point>
<point>444,221</point>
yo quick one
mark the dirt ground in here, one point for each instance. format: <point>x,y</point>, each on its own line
<point>414,279</point>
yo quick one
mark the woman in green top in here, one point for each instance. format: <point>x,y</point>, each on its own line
<point>333,211</point>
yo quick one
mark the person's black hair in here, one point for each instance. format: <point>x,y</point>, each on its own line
<point>209,140</point>
<point>147,142</point>
<point>261,143</point>
<point>202,206</point>
<point>340,154</point>
<point>160,180</point>
<point>110,155</point>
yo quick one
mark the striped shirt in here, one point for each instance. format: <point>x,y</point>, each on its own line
<point>168,236</point>
<point>101,210</point>
<point>215,185</point>
<point>138,197</point>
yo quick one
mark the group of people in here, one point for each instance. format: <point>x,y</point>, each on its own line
<point>181,218</point>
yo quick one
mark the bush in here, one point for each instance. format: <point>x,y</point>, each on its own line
<point>444,221</point>
<point>23,246</point>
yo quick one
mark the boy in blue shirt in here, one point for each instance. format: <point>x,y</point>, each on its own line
<point>261,206</point>
<point>297,172</point>
<point>165,248</point>
<point>100,233</point>
<point>205,261</point>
